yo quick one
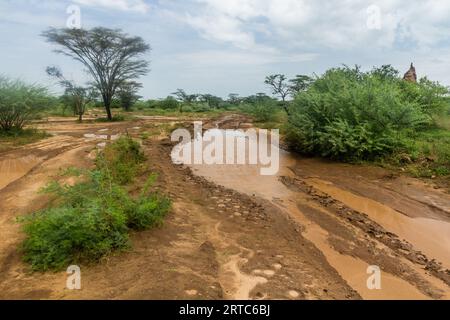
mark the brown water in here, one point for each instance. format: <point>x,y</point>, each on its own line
<point>428,235</point>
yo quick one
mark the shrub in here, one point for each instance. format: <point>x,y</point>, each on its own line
<point>198,107</point>
<point>90,219</point>
<point>121,159</point>
<point>347,114</point>
<point>19,103</point>
<point>170,103</point>
<point>148,210</point>
<point>264,111</point>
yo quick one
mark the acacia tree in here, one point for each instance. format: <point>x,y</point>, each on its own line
<point>279,85</point>
<point>110,56</point>
<point>211,100</point>
<point>77,97</point>
<point>234,98</point>
<point>184,98</point>
<point>127,94</point>
<point>300,83</point>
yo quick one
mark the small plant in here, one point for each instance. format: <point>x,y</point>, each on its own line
<point>121,160</point>
<point>92,218</point>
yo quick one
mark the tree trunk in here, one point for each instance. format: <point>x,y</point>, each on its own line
<point>80,117</point>
<point>286,107</point>
<point>107,103</point>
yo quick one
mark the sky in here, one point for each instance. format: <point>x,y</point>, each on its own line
<point>230,46</point>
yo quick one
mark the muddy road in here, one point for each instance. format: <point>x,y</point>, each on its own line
<point>309,232</point>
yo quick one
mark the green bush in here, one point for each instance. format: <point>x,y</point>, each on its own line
<point>121,159</point>
<point>170,103</point>
<point>20,103</point>
<point>148,211</point>
<point>350,115</point>
<point>90,219</point>
<point>264,111</point>
<point>198,107</point>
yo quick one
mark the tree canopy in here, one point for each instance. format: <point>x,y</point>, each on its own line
<point>110,56</point>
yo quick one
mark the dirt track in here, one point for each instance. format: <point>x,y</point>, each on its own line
<point>309,233</point>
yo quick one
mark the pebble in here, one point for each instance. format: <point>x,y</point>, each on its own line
<point>192,292</point>
<point>293,294</point>
<point>269,272</point>
<point>277,266</point>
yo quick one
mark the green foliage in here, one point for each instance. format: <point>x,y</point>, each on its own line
<point>19,103</point>
<point>91,218</point>
<point>211,101</point>
<point>348,114</point>
<point>262,111</point>
<point>429,95</point>
<point>428,152</point>
<point>127,94</point>
<point>170,103</point>
<point>121,160</point>
<point>149,210</point>
<point>111,56</point>
<point>300,83</point>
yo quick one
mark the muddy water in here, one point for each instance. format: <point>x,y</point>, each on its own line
<point>430,236</point>
<point>109,137</point>
<point>247,179</point>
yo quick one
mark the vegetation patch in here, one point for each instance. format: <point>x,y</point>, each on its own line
<point>351,115</point>
<point>93,218</point>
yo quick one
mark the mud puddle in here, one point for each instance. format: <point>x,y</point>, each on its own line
<point>246,178</point>
<point>109,137</point>
<point>430,236</point>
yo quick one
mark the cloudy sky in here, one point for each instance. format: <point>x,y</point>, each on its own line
<point>222,47</point>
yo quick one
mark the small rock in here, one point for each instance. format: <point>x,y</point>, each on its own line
<point>269,272</point>
<point>277,266</point>
<point>192,292</point>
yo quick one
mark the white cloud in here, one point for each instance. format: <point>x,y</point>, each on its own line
<point>124,5</point>
<point>329,23</point>
<point>222,28</point>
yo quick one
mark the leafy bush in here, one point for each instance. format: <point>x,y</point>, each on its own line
<point>170,103</point>
<point>19,103</point>
<point>262,111</point>
<point>198,107</point>
<point>429,95</point>
<point>121,159</point>
<point>91,218</point>
<point>148,211</point>
<point>347,114</point>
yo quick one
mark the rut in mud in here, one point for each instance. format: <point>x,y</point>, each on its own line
<point>233,234</point>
